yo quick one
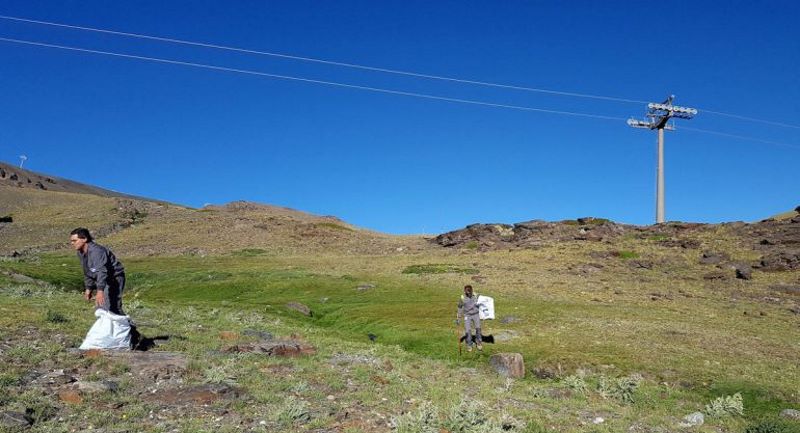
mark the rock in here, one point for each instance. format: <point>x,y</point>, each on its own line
<point>508,364</point>
<point>285,348</point>
<point>58,378</point>
<point>715,275</point>
<point>509,319</point>
<point>228,335</point>
<point>781,261</point>
<point>154,365</point>
<point>97,387</point>
<point>15,420</point>
<point>786,288</point>
<point>713,258</point>
<point>263,335</point>
<point>505,335</point>
<point>598,420</point>
<point>640,264</point>
<point>545,373</point>
<point>365,287</point>
<point>693,420</point>
<point>791,414</point>
<point>70,396</point>
<point>743,271</point>
<point>199,394</point>
<point>301,308</point>
<point>478,278</point>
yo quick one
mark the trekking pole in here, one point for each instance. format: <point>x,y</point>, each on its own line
<point>458,337</point>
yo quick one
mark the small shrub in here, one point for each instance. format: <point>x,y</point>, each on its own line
<point>471,245</point>
<point>575,383</point>
<point>464,417</point>
<point>725,406</point>
<point>55,317</point>
<point>770,426</point>
<point>626,255</point>
<point>621,389</point>
<point>423,420</point>
<point>222,373</point>
<point>293,410</point>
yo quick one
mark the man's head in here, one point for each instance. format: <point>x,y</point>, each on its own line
<point>468,290</point>
<point>79,237</point>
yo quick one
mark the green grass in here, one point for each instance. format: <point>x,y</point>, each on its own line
<point>700,350</point>
<point>334,226</point>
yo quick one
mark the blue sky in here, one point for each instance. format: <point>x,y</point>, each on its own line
<point>401,164</point>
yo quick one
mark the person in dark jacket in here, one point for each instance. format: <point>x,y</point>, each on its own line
<point>102,272</point>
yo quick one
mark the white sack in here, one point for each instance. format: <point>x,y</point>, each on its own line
<point>110,331</point>
<point>485,307</point>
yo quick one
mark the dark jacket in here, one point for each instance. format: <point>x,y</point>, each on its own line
<point>100,267</point>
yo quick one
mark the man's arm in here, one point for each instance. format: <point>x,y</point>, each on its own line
<point>96,261</point>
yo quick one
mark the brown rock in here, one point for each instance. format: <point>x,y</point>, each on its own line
<point>70,396</point>
<point>508,364</point>
<point>379,379</point>
<point>228,335</point>
<point>93,353</point>
<point>200,394</point>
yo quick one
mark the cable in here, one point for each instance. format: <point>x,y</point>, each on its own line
<point>372,89</point>
<point>751,119</point>
<point>309,80</point>
<point>327,62</point>
<point>740,137</point>
<point>377,69</point>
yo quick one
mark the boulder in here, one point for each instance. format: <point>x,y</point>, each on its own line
<point>693,420</point>
<point>15,420</point>
<point>285,348</point>
<point>781,261</point>
<point>791,414</point>
<point>508,364</point>
<point>713,258</point>
<point>743,271</point>
<point>301,308</point>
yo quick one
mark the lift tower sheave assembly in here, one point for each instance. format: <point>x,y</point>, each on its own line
<point>658,119</point>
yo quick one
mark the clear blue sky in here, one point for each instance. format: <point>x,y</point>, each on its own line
<point>400,164</point>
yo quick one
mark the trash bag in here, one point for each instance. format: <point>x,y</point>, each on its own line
<point>485,307</point>
<point>110,331</point>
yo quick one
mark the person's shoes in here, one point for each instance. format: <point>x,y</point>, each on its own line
<point>480,346</point>
<point>469,348</point>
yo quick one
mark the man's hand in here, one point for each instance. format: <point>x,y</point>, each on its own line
<point>101,299</point>
<point>87,294</point>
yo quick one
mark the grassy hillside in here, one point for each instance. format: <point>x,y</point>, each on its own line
<point>42,220</point>
<point>683,339</point>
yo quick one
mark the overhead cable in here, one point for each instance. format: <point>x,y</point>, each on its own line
<point>378,69</point>
<point>309,80</point>
<point>366,88</point>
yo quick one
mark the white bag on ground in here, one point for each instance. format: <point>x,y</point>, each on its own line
<point>485,307</point>
<point>110,331</point>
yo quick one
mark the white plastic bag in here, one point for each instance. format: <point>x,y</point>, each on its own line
<point>110,331</point>
<point>485,307</point>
